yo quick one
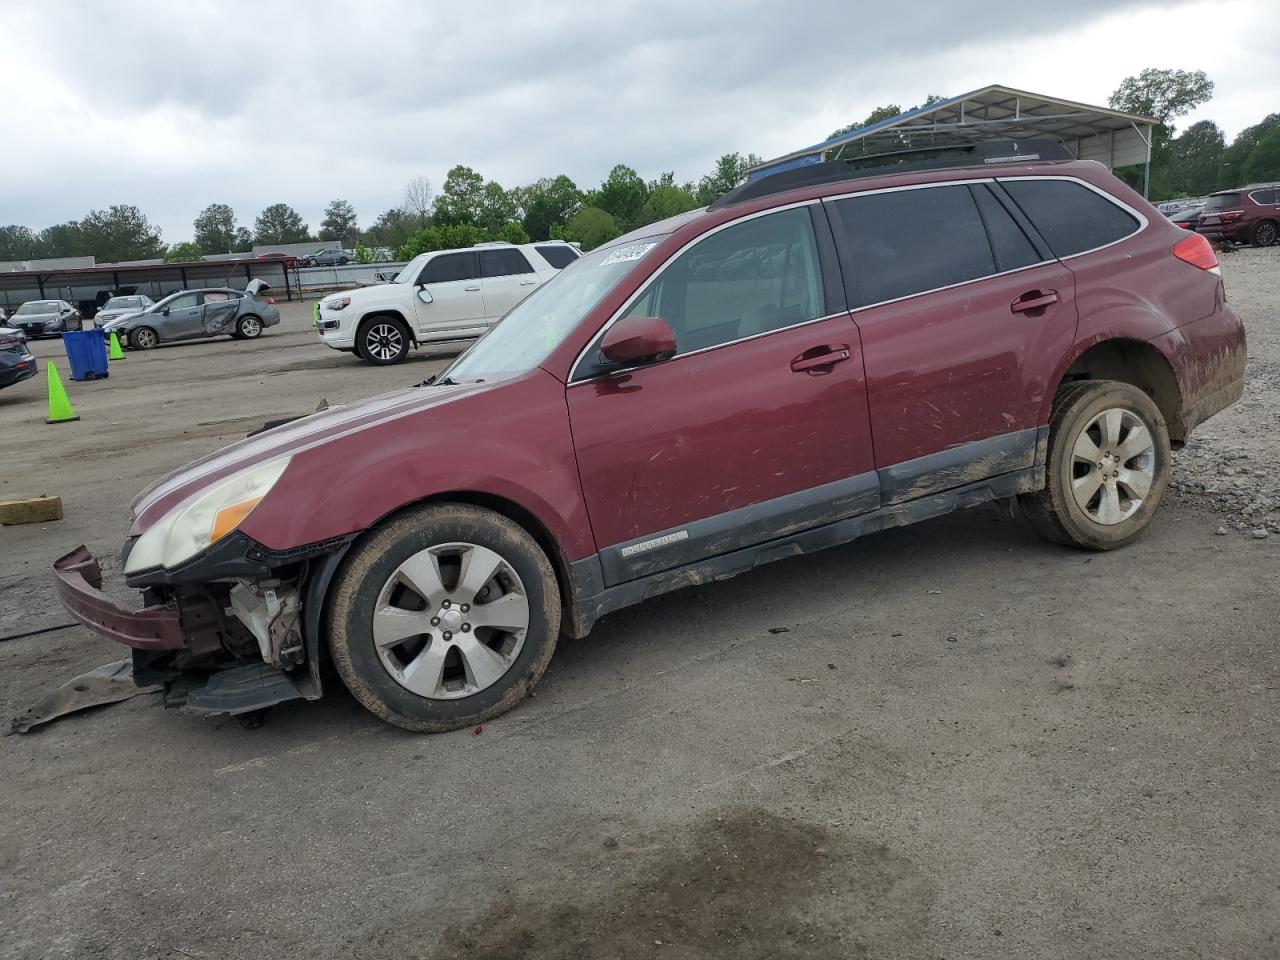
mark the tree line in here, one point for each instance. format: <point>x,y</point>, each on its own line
<point>469,209</point>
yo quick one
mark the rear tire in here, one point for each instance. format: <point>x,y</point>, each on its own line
<point>1107,466</point>
<point>382,341</point>
<point>1265,233</point>
<point>249,327</point>
<point>443,617</point>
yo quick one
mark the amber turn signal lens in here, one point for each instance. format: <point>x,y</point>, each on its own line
<point>228,518</point>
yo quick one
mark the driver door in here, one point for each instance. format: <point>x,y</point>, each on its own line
<point>454,304</point>
<point>182,319</point>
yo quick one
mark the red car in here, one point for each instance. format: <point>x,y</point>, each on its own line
<point>1243,215</point>
<point>822,353</point>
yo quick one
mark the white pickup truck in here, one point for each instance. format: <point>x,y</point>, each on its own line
<point>438,296</point>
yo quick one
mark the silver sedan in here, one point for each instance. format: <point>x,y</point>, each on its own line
<point>195,314</point>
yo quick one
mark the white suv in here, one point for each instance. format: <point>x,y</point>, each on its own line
<point>444,295</point>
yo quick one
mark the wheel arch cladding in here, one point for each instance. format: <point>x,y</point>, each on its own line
<point>1139,363</point>
<point>384,314</point>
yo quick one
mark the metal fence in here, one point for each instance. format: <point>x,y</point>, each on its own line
<point>319,279</point>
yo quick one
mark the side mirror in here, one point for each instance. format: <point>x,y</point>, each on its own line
<point>424,294</point>
<point>165,311</point>
<point>635,341</point>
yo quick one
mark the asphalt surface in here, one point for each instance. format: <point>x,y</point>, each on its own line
<point>960,742</point>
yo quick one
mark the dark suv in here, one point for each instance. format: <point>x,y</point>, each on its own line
<point>1243,215</point>
<point>822,353</point>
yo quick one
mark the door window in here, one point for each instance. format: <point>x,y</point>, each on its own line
<point>182,302</point>
<point>1071,217</point>
<point>747,279</point>
<point>449,267</point>
<point>908,241</point>
<point>503,263</point>
<point>218,296</point>
<point>1011,247</point>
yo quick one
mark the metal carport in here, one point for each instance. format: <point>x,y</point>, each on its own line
<point>1112,137</point>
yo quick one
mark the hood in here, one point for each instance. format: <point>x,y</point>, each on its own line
<point>35,317</point>
<point>116,319</point>
<point>326,426</point>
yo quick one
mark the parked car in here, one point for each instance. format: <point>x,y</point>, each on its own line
<point>192,314</point>
<point>46,318</point>
<point>16,362</point>
<point>916,340</point>
<point>440,296</point>
<point>1244,215</point>
<point>118,307</point>
<point>1188,217</point>
<point>325,258</point>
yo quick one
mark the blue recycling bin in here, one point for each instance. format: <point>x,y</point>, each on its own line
<point>87,353</point>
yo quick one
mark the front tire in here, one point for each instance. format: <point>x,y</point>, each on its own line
<point>144,338</point>
<point>383,341</point>
<point>1107,469</point>
<point>443,617</point>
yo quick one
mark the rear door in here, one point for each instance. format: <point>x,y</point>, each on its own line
<point>220,309</point>
<point>456,303</point>
<point>757,428</point>
<point>963,317</point>
<point>507,277</point>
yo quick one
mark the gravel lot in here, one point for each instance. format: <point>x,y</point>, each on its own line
<point>966,743</point>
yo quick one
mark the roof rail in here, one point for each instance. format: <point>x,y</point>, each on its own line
<point>913,160</point>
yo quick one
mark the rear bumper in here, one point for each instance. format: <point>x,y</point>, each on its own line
<point>16,374</point>
<point>79,581</point>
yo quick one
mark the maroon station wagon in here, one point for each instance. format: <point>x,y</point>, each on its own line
<point>822,353</point>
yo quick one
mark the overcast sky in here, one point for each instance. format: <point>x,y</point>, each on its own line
<point>172,106</point>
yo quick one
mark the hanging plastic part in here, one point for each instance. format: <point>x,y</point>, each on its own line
<point>270,611</point>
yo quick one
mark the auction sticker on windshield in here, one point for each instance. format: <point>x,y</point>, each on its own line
<point>632,251</point>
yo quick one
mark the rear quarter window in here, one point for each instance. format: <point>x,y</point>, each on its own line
<point>558,256</point>
<point>1071,217</point>
<point>1222,201</point>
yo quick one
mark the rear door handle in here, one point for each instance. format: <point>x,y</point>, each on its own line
<point>527,283</point>
<point>1034,300</point>
<point>829,358</point>
<point>471,289</point>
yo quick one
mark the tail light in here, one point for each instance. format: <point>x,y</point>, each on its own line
<point>1230,215</point>
<point>271,299</point>
<point>1197,251</point>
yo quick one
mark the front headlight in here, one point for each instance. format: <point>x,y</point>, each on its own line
<point>337,303</point>
<point>205,518</point>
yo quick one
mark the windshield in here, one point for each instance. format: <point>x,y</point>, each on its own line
<point>123,303</point>
<point>1222,201</point>
<point>39,306</point>
<point>539,323</point>
<point>410,271</point>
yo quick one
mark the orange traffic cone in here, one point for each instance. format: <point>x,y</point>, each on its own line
<point>59,404</point>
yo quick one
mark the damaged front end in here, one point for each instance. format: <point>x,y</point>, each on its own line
<point>235,633</point>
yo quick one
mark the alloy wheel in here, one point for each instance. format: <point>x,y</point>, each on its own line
<point>450,621</point>
<point>144,339</point>
<point>251,326</point>
<point>383,341</point>
<point>1265,235</point>
<point>1112,466</point>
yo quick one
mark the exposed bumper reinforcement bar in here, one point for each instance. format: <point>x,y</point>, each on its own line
<point>79,584</point>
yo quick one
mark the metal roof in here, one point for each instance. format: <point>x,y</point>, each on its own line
<point>996,112</point>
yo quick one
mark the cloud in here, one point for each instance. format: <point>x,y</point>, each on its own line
<point>173,106</point>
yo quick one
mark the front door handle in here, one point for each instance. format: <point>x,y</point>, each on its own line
<point>828,358</point>
<point>527,283</point>
<point>471,289</point>
<point>1034,300</point>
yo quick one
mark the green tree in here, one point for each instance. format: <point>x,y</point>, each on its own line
<point>886,112</point>
<point>441,236</point>
<point>18,243</point>
<point>339,222</point>
<point>1163,95</point>
<point>1195,159</point>
<point>280,223</point>
<point>497,209</point>
<point>392,228</point>
<point>1264,159</point>
<point>64,240</point>
<point>666,200</point>
<point>183,252</point>
<point>621,195</point>
<point>215,228</point>
<point>1236,156</point>
<point>590,227</point>
<point>121,232</point>
<point>363,254</point>
<point>461,198</point>
<point>547,202</point>
<point>243,241</point>
<point>512,233</point>
<point>730,171</point>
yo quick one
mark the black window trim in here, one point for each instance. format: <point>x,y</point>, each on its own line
<point>593,343</point>
<point>1275,191</point>
<point>1022,220</point>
